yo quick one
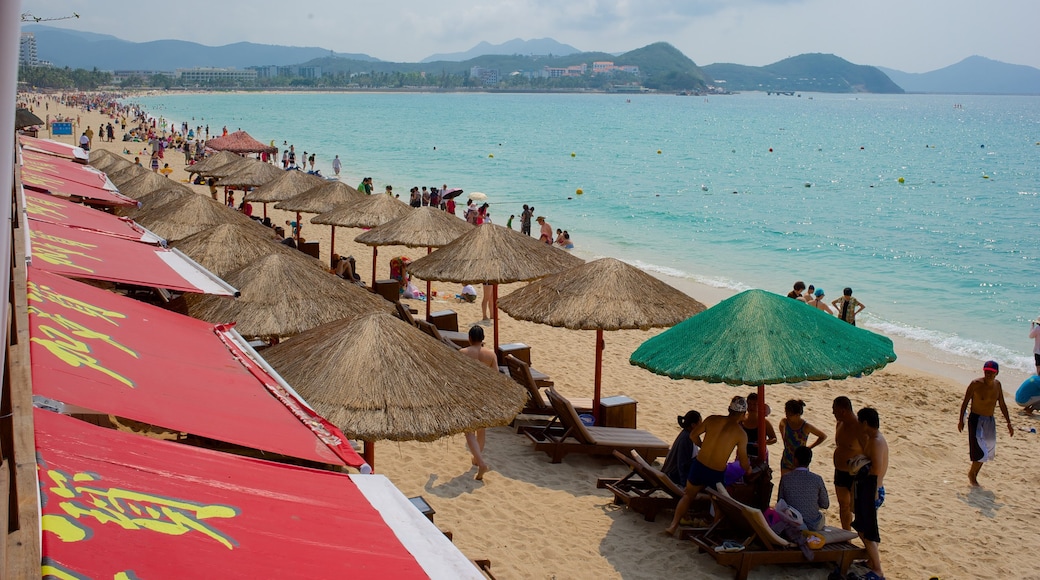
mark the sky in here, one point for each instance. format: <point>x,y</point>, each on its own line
<point>907,35</point>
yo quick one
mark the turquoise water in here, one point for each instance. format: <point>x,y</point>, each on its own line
<point>736,191</point>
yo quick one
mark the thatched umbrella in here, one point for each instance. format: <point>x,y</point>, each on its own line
<point>121,176</point>
<point>368,211</point>
<point>282,295</point>
<point>285,186</point>
<point>252,174</point>
<point>605,294</point>
<point>319,199</point>
<point>104,160</point>
<point>25,118</point>
<point>227,247</point>
<point>155,198</point>
<point>145,183</point>
<point>759,338</point>
<point>190,214</point>
<point>492,254</point>
<point>219,159</point>
<point>239,142</point>
<point>379,378</point>
<point>427,227</point>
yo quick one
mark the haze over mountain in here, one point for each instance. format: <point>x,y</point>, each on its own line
<point>535,46</point>
<point>810,72</point>
<point>975,74</point>
<point>78,49</point>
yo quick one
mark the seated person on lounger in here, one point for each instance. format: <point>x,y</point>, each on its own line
<point>805,491</point>
<point>683,450</point>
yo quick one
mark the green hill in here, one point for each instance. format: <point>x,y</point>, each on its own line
<point>823,73</point>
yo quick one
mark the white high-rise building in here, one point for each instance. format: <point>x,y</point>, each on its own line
<point>27,50</point>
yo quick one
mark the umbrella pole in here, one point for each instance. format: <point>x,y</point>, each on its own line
<point>494,309</point>
<point>375,252</point>
<point>369,454</point>
<point>599,375</point>
<point>265,210</point>
<point>332,246</point>
<point>763,453</point>
<point>429,286</point>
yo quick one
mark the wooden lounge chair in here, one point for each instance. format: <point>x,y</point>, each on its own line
<point>747,526</point>
<point>433,331</point>
<point>459,338</point>
<point>642,490</point>
<point>537,402</point>
<point>567,434</point>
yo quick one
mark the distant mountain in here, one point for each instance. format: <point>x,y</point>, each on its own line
<point>664,68</point>
<point>823,73</point>
<point>519,46</point>
<point>77,49</point>
<point>975,75</point>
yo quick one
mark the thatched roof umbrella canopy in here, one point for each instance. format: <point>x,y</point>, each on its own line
<point>239,142</point>
<point>231,168</point>
<point>145,183</point>
<point>367,212</point>
<point>121,176</point>
<point>285,186</point>
<point>421,227</point>
<point>25,118</point>
<point>190,214</point>
<point>605,294</point>
<point>283,295</point>
<point>170,193</point>
<point>227,247</point>
<point>320,199</point>
<point>214,161</point>
<point>492,254</point>
<point>379,378</point>
<point>107,161</point>
<point>251,174</point>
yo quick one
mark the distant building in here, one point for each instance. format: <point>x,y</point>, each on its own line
<point>119,76</point>
<point>272,71</point>
<point>552,72</point>
<point>27,50</point>
<point>607,67</point>
<point>209,75</point>
<point>488,76</point>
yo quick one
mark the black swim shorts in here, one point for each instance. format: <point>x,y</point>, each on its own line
<point>843,479</point>
<point>864,508</point>
<point>701,475</point>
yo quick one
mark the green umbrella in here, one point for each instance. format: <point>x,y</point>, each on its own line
<point>759,338</point>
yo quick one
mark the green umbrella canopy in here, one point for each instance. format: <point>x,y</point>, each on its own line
<point>761,338</point>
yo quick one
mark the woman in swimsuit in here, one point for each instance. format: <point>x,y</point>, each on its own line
<point>795,432</point>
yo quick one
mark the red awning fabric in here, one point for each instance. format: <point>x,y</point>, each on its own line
<point>115,502</point>
<point>63,187</point>
<point>56,148</point>
<point>85,254</point>
<point>48,208</point>
<point>114,355</point>
<point>62,168</point>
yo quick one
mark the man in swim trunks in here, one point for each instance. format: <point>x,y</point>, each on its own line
<point>721,435</point>
<point>1034,333</point>
<point>984,394</point>
<point>870,485</point>
<point>847,435</point>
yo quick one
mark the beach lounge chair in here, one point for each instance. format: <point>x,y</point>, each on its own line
<point>642,490</point>
<point>537,402</point>
<point>747,527</point>
<point>567,434</point>
<point>459,338</point>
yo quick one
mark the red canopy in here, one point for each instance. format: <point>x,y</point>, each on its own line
<point>41,181</point>
<point>114,355</point>
<point>239,142</point>
<point>120,505</point>
<point>57,148</point>
<point>48,208</point>
<point>56,167</point>
<point>85,254</point>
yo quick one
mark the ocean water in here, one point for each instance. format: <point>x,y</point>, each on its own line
<point>735,191</point>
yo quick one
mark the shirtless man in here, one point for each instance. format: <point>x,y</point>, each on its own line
<point>847,435</point>
<point>721,435</point>
<point>485,356</point>
<point>870,486</point>
<point>984,394</point>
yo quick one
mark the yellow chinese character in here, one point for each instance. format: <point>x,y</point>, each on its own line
<point>78,329</point>
<point>44,293</point>
<point>73,352</point>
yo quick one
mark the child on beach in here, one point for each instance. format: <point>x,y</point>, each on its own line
<point>849,307</point>
<point>795,431</point>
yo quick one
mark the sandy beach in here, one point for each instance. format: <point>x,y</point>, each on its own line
<point>533,519</point>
